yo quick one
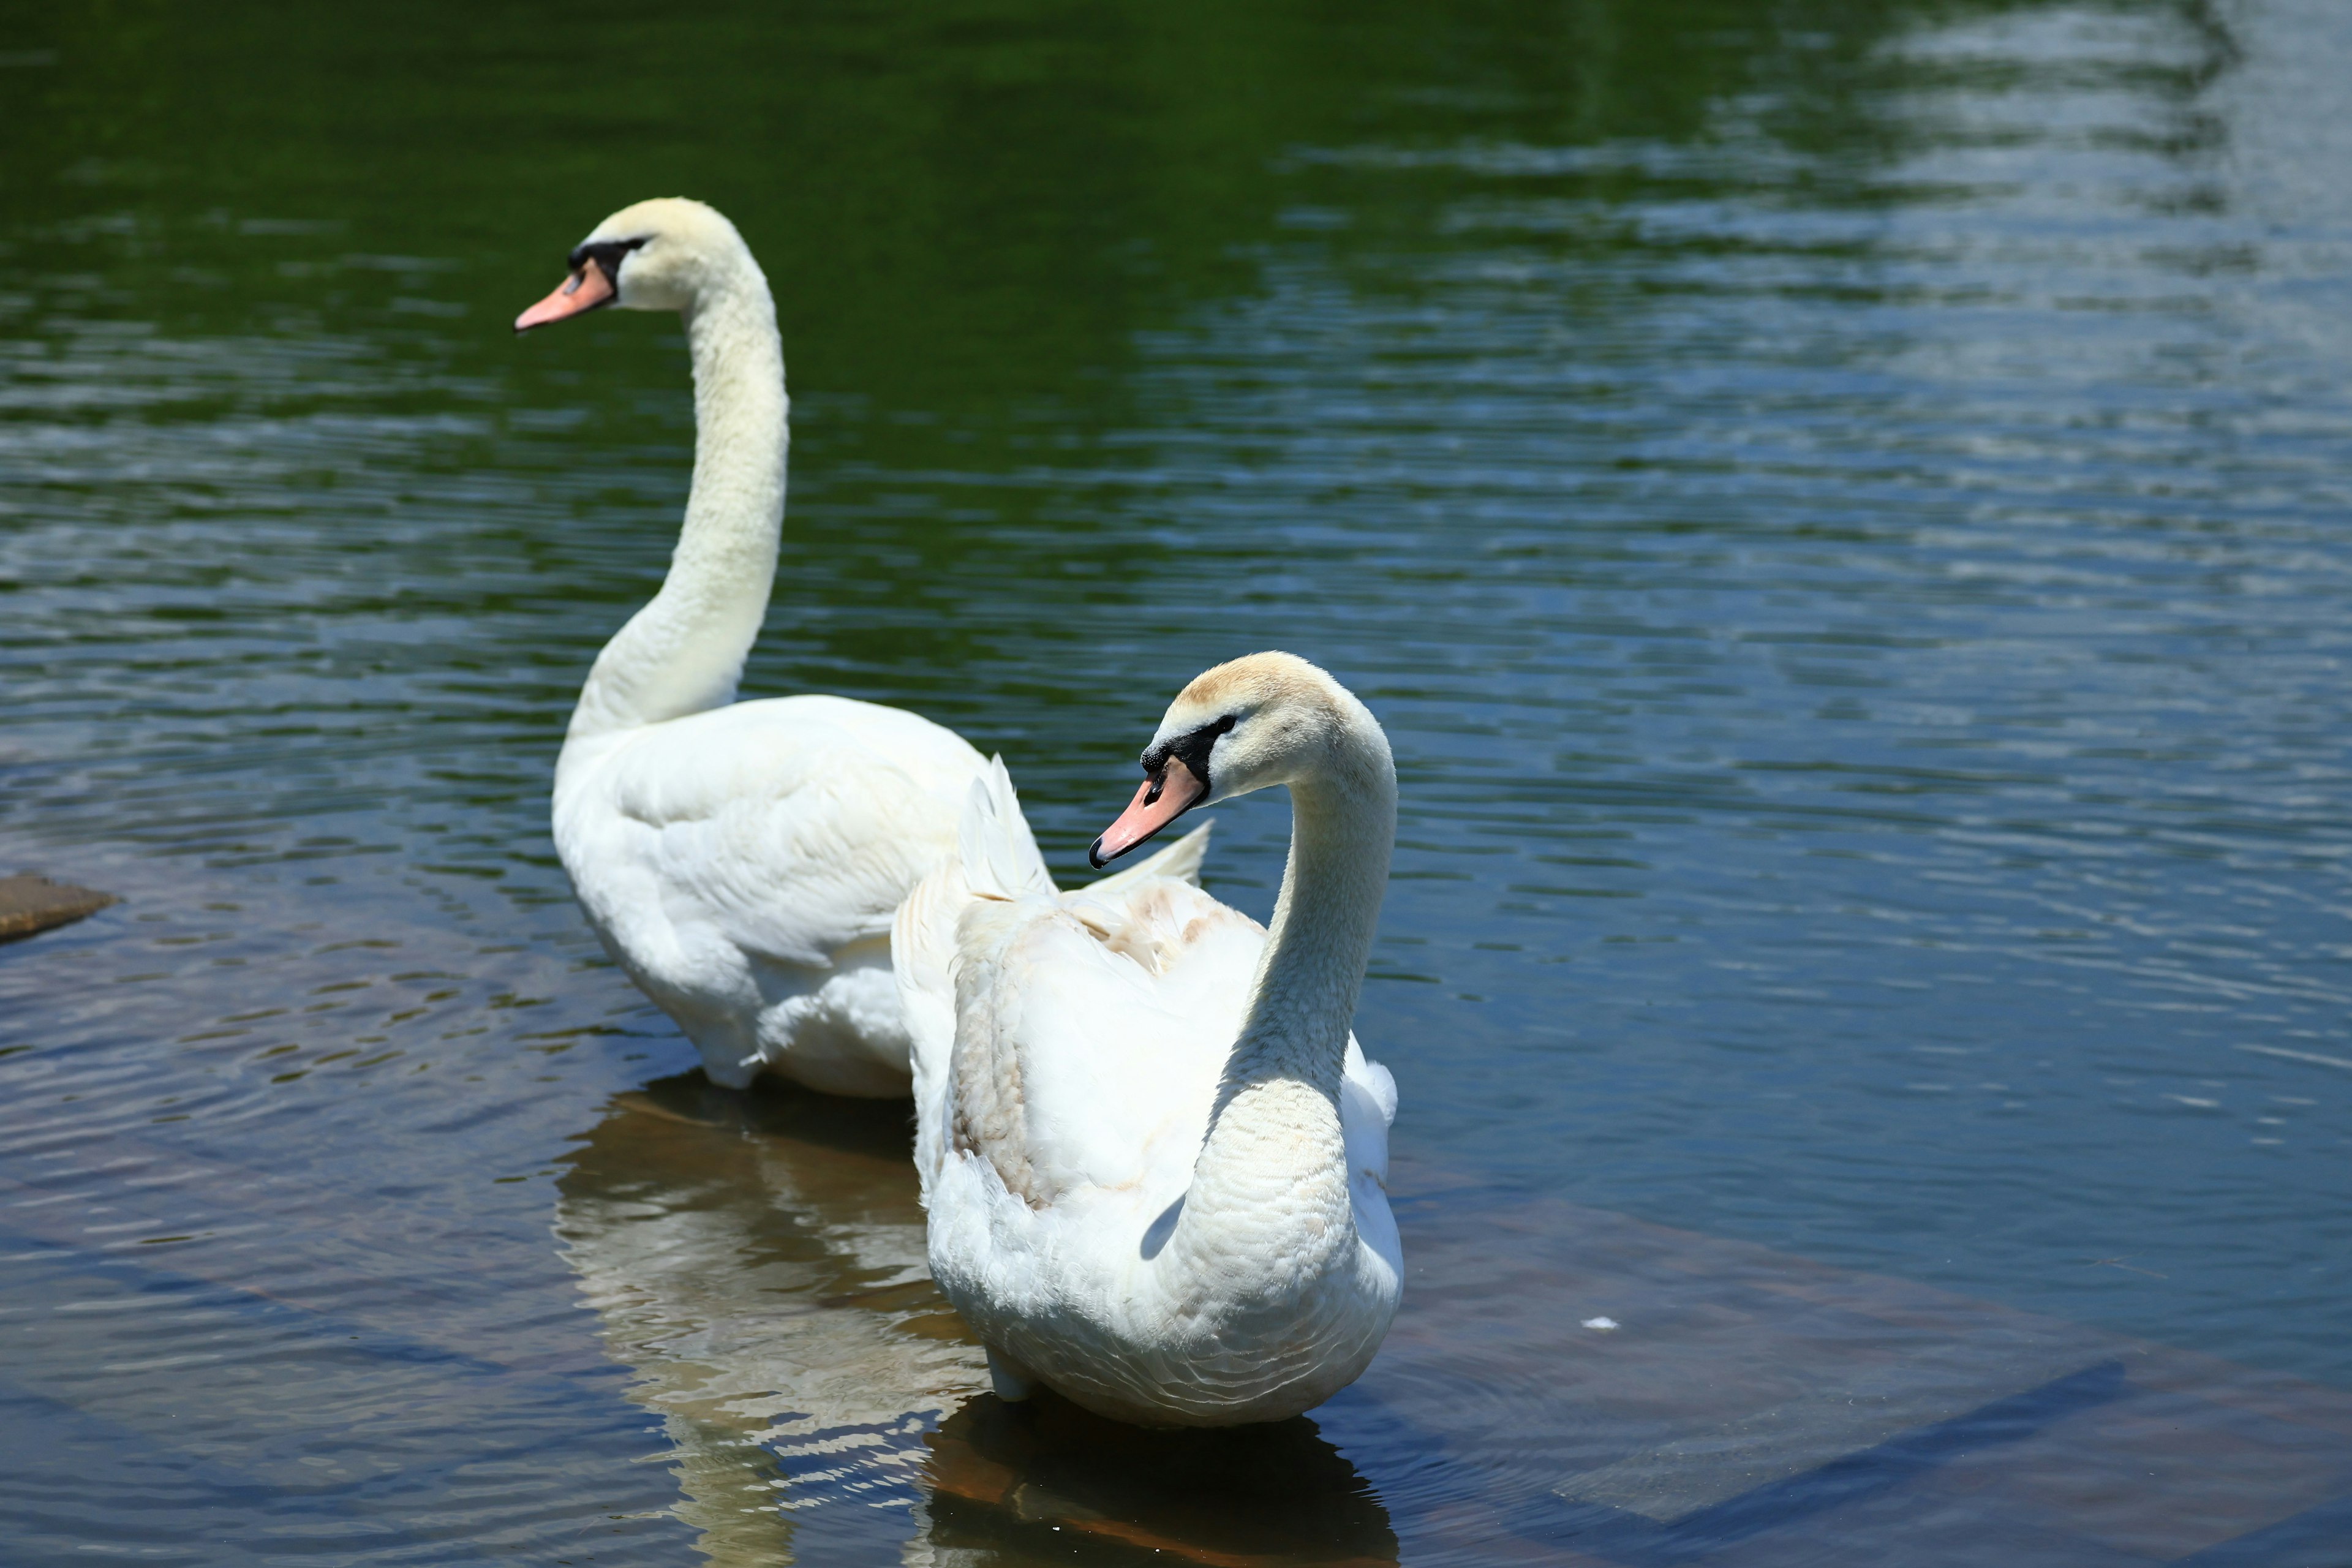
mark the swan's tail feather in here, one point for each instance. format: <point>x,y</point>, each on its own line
<point>997,859</point>
<point>999,853</point>
<point>1180,860</point>
<point>922,955</point>
<point>922,958</point>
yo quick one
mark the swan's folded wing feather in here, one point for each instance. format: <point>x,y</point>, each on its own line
<point>784,832</point>
<point>1000,854</point>
<point>1169,926</point>
<point>923,958</point>
<point>688,768</point>
<point>1368,1101</point>
<point>1088,1040</point>
<point>1045,1091</point>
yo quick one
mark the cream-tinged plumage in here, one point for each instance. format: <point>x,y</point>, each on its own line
<point>1153,1155</point>
<point>740,860</point>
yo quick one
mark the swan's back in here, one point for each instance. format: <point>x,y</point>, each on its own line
<point>1090,1035</point>
<point>1074,1042</point>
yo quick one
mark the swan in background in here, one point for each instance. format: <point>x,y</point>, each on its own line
<point>1153,1155</point>
<point>742,860</point>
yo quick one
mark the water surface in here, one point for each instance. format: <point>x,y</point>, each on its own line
<point>1840,506</point>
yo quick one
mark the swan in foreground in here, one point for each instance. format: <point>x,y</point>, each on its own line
<point>1154,1157</point>
<point>740,860</point>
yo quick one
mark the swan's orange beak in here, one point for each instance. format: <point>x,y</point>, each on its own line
<point>1160,801</point>
<point>584,291</point>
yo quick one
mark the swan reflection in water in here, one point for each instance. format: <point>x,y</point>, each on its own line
<point>757,1259</point>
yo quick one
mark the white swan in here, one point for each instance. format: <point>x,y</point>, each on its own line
<point>740,860</point>
<point>1153,1155</point>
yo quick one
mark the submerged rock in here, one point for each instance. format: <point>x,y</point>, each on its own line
<point>30,904</point>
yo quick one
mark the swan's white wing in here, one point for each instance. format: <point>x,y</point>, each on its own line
<point>783,830</point>
<point>998,865</point>
<point>923,959</point>
<point>1368,1100</point>
<point>1068,1067</point>
<point>1090,1032</point>
<point>1089,1035</point>
<point>999,852</point>
<point>743,864</point>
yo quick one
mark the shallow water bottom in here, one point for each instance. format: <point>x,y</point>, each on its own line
<point>1568,1384</point>
<point>332,1312</point>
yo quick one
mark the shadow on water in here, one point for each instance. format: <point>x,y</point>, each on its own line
<point>757,1260</point>
<point>1007,1479</point>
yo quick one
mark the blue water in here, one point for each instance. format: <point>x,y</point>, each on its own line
<point>1842,510</point>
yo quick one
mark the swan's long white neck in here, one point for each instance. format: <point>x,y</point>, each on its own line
<point>1274,1146</point>
<point>684,651</point>
<point>1312,969</point>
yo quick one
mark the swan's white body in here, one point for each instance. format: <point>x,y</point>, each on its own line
<point>743,865</point>
<point>740,860</point>
<point>1153,1155</point>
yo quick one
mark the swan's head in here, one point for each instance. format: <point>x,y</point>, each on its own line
<point>1265,719</point>
<point>656,256</point>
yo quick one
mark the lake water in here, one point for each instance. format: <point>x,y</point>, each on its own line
<point>1842,508</point>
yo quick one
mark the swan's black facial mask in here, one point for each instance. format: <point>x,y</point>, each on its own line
<point>594,282</point>
<point>1191,750</point>
<point>607,254</point>
<point>1176,779</point>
